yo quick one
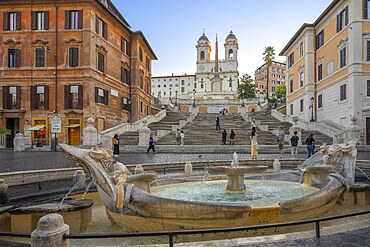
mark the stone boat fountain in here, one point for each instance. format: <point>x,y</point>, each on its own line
<point>131,202</point>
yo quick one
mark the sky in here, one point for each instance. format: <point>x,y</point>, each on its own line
<point>173,28</point>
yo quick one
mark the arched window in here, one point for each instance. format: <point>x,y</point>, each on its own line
<point>202,56</point>
<point>231,53</point>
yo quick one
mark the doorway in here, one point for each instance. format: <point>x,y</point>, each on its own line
<point>13,125</point>
<point>367,131</point>
<point>74,136</point>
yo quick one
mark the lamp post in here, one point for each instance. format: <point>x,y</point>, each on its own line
<point>264,94</point>
<point>243,103</point>
<point>194,97</point>
<point>175,98</point>
<point>311,107</point>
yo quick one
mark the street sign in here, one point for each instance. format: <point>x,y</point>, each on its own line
<point>56,125</point>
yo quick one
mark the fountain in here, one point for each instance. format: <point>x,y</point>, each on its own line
<point>131,203</point>
<point>235,174</point>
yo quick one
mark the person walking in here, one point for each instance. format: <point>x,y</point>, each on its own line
<point>182,137</point>
<point>294,144</point>
<point>310,141</point>
<point>254,145</point>
<point>254,125</point>
<point>178,138</point>
<point>151,144</point>
<point>218,124</point>
<point>224,135</point>
<point>115,143</point>
<point>232,137</point>
<point>281,140</point>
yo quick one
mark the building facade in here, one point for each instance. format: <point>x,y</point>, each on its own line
<point>71,60</point>
<point>173,86</point>
<point>328,67</point>
<point>276,77</point>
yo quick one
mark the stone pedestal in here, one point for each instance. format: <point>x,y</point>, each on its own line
<point>188,169</point>
<point>144,134</point>
<point>49,232</point>
<point>90,134</point>
<point>19,143</point>
<point>353,131</point>
<point>276,166</point>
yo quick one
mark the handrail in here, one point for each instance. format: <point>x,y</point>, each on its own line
<point>172,234</point>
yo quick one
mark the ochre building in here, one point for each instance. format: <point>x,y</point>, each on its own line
<point>72,60</point>
<point>276,77</point>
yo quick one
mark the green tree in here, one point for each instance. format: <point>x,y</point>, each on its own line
<point>269,56</point>
<point>246,89</point>
<point>5,131</point>
<point>281,91</point>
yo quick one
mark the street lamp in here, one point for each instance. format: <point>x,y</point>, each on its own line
<point>243,103</point>
<point>311,107</point>
<point>175,98</point>
<point>194,97</point>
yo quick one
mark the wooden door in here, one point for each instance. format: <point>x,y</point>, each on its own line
<point>74,136</point>
<point>367,131</point>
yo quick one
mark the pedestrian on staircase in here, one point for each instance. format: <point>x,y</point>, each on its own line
<point>281,140</point>
<point>182,137</point>
<point>115,142</point>
<point>232,137</point>
<point>310,141</point>
<point>218,124</point>
<point>254,145</point>
<point>178,138</point>
<point>224,135</point>
<point>254,125</point>
<point>151,144</point>
<point>294,144</point>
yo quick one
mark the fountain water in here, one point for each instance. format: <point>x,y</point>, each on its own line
<point>368,178</point>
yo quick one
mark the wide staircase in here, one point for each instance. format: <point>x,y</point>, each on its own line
<point>274,124</point>
<point>171,118</point>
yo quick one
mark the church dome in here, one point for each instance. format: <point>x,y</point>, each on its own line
<point>231,36</point>
<point>203,38</point>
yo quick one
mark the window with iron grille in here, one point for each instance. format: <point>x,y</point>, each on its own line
<point>40,57</point>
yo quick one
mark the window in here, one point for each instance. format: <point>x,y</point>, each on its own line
<point>342,19</point>
<point>195,85</point>
<point>319,101</point>
<point>125,46</point>
<point>343,92</point>
<point>291,60</point>
<point>14,58</point>
<point>73,97</point>
<point>140,54</point>
<point>73,19</point>
<point>330,67</point>
<point>301,105</point>
<point>342,57</point>
<point>291,109</point>
<point>11,21</point>
<point>101,96</point>
<point>367,50</point>
<point>147,63</point>
<point>291,86</point>
<point>165,85</point>
<point>101,59</point>
<point>164,93</point>
<point>182,90</point>
<point>125,104</point>
<point>39,97</point>
<point>301,79</point>
<point>182,82</point>
<point>301,50</point>
<point>125,76</point>
<point>273,89</point>
<point>40,57</point>
<point>11,97</point>
<point>159,85</point>
<point>319,72</point>
<point>202,56</point>
<point>73,57</point>
<point>368,88</point>
<point>320,40</point>
<point>101,27</point>
<point>141,107</point>
<point>202,85</point>
<point>366,9</point>
<point>40,20</point>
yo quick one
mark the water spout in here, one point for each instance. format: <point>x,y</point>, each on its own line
<point>235,162</point>
<point>87,188</point>
<point>205,177</point>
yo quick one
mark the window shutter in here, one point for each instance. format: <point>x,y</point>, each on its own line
<point>17,58</point>
<point>67,24</point>
<point>46,97</point>
<point>105,30</point>
<point>6,21</point>
<point>96,94</point>
<point>33,98</point>
<point>33,20</point>
<point>80,19</point>
<point>368,50</point>
<point>75,57</point>
<point>346,14</point>
<point>18,106</point>
<point>67,101</point>
<point>70,57</point>
<point>96,23</point>
<point>106,97</point>
<point>18,20</point>
<point>122,44</point>
<point>123,75</point>
<point>368,88</point>
<point>128,48</point>
<point>365,8</point>
<point>46,20</point>
<point>338,23</point>
<point>40,57</point>
<point>80,97</point>
<point>6,97</point>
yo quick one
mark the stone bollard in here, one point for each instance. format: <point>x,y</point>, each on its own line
<point>19,143</point>
<point>90,134</point>
<point>3,192</point>
<point>144,134</point>
<point>188,168</point>
<point>276,166</point>
<point>49,232</point>
<point>139,169</point>
<point>79,179</point>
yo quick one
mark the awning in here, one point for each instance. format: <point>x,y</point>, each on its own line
<point>72,126</point>
<point>36,128</point>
